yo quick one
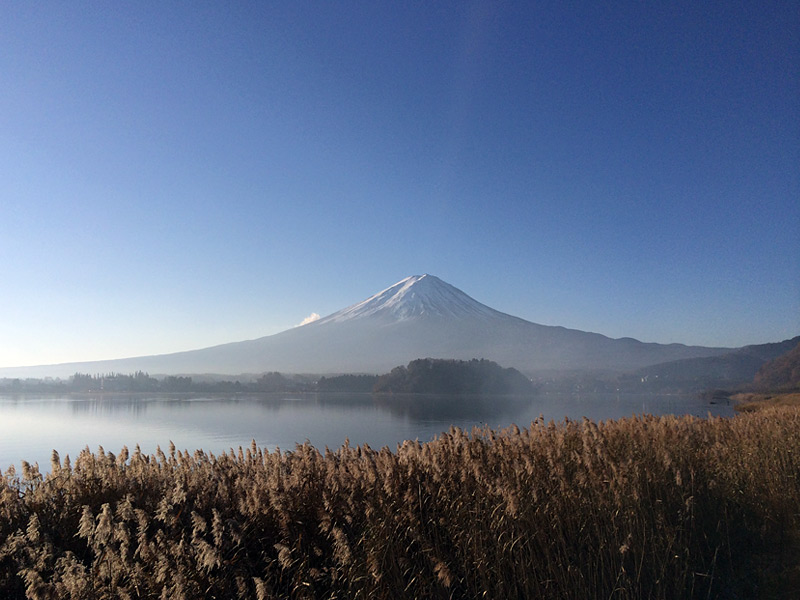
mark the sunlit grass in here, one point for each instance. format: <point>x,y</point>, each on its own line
<point>751,402</point>
<point>651,507</point>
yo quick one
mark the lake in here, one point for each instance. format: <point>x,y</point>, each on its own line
<point>32,426</point>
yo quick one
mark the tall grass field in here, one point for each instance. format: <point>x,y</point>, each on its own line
<point>649,507</point>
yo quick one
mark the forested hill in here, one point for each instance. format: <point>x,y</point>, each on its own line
<point>440,376</point>
<point>780,374</point>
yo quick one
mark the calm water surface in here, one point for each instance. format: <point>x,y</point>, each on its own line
<point>32,426</point>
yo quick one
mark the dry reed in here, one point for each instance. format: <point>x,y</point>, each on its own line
<point>648,507</point>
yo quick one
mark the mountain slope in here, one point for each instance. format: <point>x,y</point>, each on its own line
<point>781,373</point>
<point>418,317</point>
<point>722,371</point>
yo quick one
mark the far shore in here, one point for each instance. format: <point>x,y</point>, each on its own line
<point>751,402</point>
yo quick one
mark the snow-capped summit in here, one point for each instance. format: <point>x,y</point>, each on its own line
<point>415,296</point>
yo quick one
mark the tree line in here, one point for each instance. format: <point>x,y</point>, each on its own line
<point>142,382</point>
<point>427,375</point>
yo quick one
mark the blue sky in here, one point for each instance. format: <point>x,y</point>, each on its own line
<point>177,175</point>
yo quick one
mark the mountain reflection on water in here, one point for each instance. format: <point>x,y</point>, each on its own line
<point>35,425</point>
<point>416,407</point>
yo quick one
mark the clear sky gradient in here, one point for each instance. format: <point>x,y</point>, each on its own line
<point>175,175</point>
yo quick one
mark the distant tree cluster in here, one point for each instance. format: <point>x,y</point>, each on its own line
<point>440,376</point>
<point>274,382</point>
<point>425,375</point>
<point>347,383</point>
<point>141,382</point>
<point>114,382</point>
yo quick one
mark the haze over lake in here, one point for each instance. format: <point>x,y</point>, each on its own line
<point>34,425</point>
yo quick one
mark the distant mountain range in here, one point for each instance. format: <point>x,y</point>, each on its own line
<point>730,370</point>
<point>418,317</point>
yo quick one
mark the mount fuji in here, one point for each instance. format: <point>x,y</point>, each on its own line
<point>418,317</point>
